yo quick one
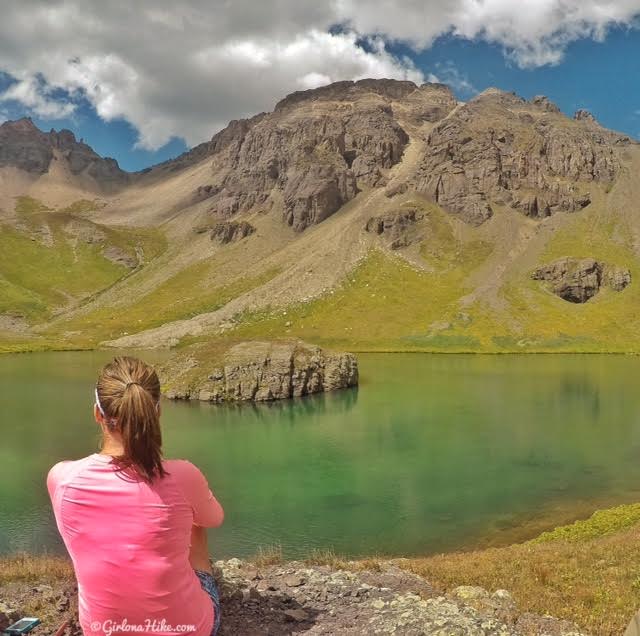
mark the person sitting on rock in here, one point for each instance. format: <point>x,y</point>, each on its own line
<point>134,523</point>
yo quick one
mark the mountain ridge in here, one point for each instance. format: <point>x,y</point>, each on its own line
<point>427,215</point>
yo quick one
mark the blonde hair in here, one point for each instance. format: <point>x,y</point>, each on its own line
<point>128,392</point>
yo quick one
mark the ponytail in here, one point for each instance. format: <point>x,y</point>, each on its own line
<point>129,394</point>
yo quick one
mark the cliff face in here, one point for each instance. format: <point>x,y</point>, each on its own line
<point>319,148</point>
<point>315,151</point>
<point>500,149</point>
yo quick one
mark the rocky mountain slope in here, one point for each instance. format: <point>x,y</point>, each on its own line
<point>367,215</point>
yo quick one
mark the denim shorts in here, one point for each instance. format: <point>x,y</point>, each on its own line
<point>210,587</point>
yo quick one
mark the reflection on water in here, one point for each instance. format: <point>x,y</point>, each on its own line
<point>433,452</point>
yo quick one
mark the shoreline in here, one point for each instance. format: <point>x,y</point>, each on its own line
<point>5,350</point>
<point>578,573</point>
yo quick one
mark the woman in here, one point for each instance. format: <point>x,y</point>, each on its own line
<point>133,523</point>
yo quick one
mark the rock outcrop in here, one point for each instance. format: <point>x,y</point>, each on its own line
<point>500,150</point>
<point>579,279</point>
<point>584,115</point>
<point>258,371</point>
<point>322,600</point>
<point>92,234</point>
<point>120,256</point>
<point>543,102</point>
<point>24,146</point>
<point>295,598</point>
<point>399,228</point>
<point>231,231</point>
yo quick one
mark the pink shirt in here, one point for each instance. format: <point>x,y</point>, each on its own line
<point>129,542</point>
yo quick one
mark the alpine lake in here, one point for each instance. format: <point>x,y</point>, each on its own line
<point>431,453</point>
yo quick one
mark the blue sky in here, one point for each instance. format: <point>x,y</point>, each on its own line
<point>127,101</point>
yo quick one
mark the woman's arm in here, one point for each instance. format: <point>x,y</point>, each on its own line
<point>207,511</point>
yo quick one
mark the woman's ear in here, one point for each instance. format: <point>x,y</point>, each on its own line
<point>97,415</point>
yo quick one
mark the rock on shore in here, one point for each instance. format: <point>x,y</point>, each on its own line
<point>258,371</point>
<point>296,598</point>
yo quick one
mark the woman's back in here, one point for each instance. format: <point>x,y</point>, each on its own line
<point>129,540</point>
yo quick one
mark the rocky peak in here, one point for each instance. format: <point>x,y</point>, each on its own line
<point>64,140</point>
<point>316,151</point>
<point>584,115</point>
<point>497,95</point>
<point>24,125</point>
<point>350,90</point>
<point>319,148</point>
<point>26,147</point>
<point>543,102</point>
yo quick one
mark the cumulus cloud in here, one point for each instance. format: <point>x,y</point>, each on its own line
<point>185,68</point>
<point>36,95</point>
<point>532,32</point>
<point>180,69</point>
<point>448,73</point>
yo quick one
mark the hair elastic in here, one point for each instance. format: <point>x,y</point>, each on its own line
<point>113,422</point>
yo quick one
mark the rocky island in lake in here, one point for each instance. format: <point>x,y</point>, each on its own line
<point>257,371</point>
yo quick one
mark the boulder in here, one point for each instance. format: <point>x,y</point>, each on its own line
<point>120,256</point>
<point>258,371</point>
<point>577,280</point>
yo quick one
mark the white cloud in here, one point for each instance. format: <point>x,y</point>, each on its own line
<point>184,69</point>
<point>36,96</point>
<point>532,32</point>
<point>448,73</point>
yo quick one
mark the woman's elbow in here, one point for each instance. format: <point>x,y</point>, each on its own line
<point>219,518</point>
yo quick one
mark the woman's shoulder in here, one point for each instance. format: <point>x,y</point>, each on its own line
<point>183,470</point>
<point>63,469</point>
<point>180,466</point>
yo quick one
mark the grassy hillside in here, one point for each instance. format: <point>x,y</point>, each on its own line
<point>44,268</point>
<point>388,303</point>
<point>429,298</point>
<point>183,295</point>
<point>52,260</point>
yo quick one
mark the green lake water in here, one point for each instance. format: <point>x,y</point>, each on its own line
<point>431,453</point>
